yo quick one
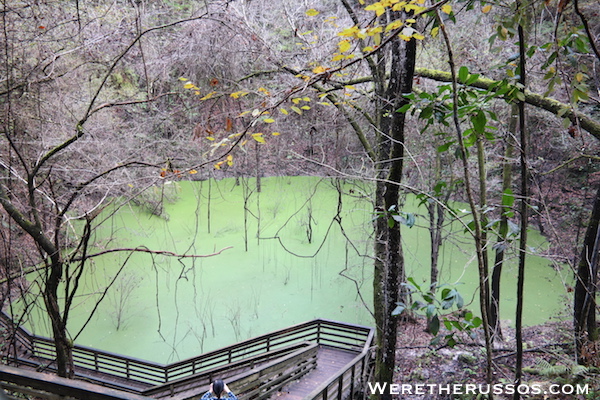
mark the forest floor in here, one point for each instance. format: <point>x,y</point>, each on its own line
<point>429,371</point>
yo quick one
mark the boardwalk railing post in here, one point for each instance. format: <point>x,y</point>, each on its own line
<point>352,377</point>
<point>319,332</point>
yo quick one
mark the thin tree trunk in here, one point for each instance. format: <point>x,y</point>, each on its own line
<point>584,306</point>
<point>477,230</point>
<point>502,230</point>
<point>524,207</point>
<point>436,222</point>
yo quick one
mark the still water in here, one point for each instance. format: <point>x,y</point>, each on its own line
<point>297,250</point>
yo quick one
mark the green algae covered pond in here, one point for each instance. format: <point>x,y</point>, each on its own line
<point>296,251</point>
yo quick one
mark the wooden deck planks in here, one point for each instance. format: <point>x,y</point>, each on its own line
<point>329,362</point>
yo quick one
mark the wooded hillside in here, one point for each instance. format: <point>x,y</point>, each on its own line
<point>492,103</point>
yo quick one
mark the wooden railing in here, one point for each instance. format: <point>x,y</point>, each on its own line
<point>149,374</point>
<point>233,373</point>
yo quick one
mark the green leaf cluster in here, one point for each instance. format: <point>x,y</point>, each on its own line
<point>448,310</point>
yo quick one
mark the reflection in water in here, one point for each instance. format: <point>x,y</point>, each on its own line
<point>289,262</point>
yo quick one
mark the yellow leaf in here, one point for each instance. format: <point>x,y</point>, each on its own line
<point>312,12</point>
<point>258,137</point>
<point>418,36</point>
<point>338,57</point>
<point>319,70</point>
<point>349,32</point>
<point>447,8</point>
<point>344,46</point>
<point>283,111</point>
<point>435,31</point>
<point>208,96</point>
<point>193,171</point>
<point>368,49</point>
<point>210,138</point>
<point>189,85</point>
<point>306,98</point>
<point>305,107</point>
<point>296,110</point>
<point>230,160</point>
<point>269,120</point>
<point>130,185</point>
<point>377,39</point>
<point>378,7</point>
<point>486,9</point>
<point>218,165</point>
<point>296,100</point>
<point>413,7</point>
<point>275,133</point>
<point>237,95</point>
<point>579,77</point>
<point>181,78</point>
<point>349,87</point>
<point>393,25</point>
<point>265,91</point>
<point>399,6</point>
<point>411,21</point>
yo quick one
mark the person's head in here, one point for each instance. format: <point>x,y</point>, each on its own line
<point>217,387</point>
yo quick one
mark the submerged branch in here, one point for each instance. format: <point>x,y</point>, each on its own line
<point>154,252</point>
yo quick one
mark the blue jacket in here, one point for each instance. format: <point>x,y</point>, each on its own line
<point>210,396</point>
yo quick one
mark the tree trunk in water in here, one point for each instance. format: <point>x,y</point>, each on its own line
<point>389,264</point>
<point>584,308</point>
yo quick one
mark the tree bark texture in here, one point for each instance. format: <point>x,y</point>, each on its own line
<point>584,308</point>
<point>389,264</point>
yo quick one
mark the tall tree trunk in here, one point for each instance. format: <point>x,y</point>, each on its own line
<point>389,264</point>
<point>523,209</point>
<point>586,282</point>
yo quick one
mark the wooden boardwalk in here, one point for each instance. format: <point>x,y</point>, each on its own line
<point>315,360</point>
<point>330,362</point>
